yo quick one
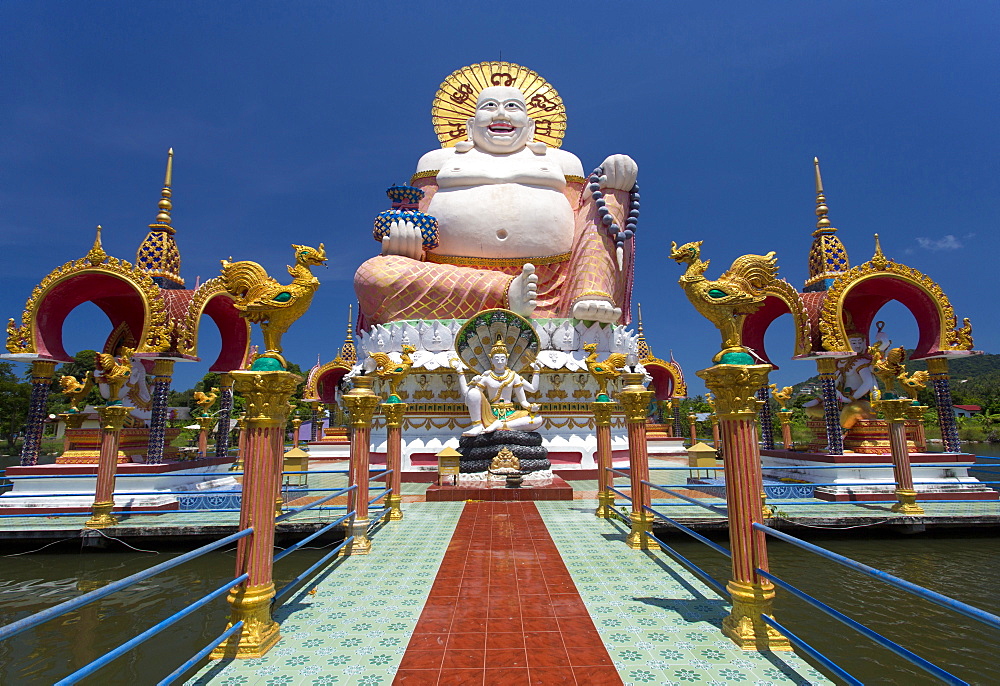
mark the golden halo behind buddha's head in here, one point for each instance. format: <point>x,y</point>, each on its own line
<point>455,101</point>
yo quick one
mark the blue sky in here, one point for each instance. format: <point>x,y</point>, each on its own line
<point>289,120</point>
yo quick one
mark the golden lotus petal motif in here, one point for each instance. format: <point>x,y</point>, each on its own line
<point>455,101</point>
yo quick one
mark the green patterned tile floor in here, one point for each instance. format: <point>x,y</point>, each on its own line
<point>355,628</point>
<point>659,623</point>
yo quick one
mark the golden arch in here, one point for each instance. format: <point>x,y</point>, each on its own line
<point>212,299</point>
<point>53,299</point>
<point>863,290</point>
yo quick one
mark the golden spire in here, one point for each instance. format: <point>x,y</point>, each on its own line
<point>96,254</point>
<point>158,254</point>
<point>348,353</point>
<point>641,347</point>
<point>165,205</point>
<point>879,259</point>
<point>827,256</point>
<point>823,225</point>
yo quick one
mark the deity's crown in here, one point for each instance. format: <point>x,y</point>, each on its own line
<point>499,348</point>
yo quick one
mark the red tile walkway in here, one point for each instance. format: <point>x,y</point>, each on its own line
<point>504,610</point>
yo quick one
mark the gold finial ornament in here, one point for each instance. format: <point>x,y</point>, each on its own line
<point>879,260</point>
<point>115,371</point>
<point>96,253</point>
<point>455,101</point>
<point>727,301</point>
<point>607,369</point>
<point>205,400</point>
<point>165,205</point>
<point>394,372</point>
<point>274,306</point>
<point>782,396</point>
<point>75,391</point>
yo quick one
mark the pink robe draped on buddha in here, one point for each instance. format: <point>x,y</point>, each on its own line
<point>393,287</point>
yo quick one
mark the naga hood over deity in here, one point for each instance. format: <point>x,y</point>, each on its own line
<point>504,218</point>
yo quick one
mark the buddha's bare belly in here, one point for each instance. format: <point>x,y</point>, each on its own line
<point>502,220</point>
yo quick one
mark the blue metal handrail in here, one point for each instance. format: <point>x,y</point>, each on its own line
<point>944,601</point>
<point>287,588</point>
<point>315,503</point>
<point>693,501</point>
<point>693,568</point>
<point>149,633</point>
<point>34,620</point>
<point>164,475</point>
<point>381,495</point>
<point>863,630</point>
<point>379,475</point>
<point>615,490</point>
<point>200,655</point>
<point>804,647</point>
<point>316,534</point>
<point>692,533</point>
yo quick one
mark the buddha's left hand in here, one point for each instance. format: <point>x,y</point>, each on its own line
<point>620,172</point>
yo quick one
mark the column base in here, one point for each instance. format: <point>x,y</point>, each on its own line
<point>907,502</point>
<point>638,538</point>
<point>605,504</point>
<point>744,625</point>
<point>361,545</point>
<point>393,502</point>
<point>259,633</point>
<point>101,516</point>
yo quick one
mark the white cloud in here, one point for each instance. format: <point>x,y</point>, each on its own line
<point>948,242</point>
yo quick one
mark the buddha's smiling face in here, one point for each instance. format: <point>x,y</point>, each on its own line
<point>501,124</point>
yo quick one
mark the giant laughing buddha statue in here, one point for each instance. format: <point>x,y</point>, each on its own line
<point>519,226</point>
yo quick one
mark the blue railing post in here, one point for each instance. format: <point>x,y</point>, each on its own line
<point>735,387</point>
<point>267,394</point>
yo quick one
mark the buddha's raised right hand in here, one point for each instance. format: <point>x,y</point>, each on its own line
<point>404,239</point>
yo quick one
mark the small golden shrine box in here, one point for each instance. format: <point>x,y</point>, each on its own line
<point>701,456</point>
<point>449,463</point>
<point>296,460</point>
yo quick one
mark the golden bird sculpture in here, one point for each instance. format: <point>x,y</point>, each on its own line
<point>274,306</point>
<point>75,391</point>
<point>782,396</point>
<point>115,372</point>
<point>726,301</point>
<point>888,366</point>
<point>914,383</point>
<point>394,372</point>
<point>604,371</point>
<point>205,400</point>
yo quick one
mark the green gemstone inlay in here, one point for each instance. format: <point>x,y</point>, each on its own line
<point>283,297</point>
<point>716,293</point>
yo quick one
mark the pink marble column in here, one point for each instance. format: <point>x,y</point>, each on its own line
<point>394,413</point>
<point>361,402</point>
<point>112,418</point>
<point>735,387</point>
<point>602,420</point>
<point>634,399</point>
<point>267,394</point>
<point>895,412</point>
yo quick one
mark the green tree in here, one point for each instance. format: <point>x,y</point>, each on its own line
<point>15,396</point>
<point>83,365</point>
